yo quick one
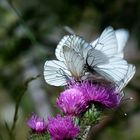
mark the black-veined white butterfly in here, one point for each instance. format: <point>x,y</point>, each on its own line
<point>104,57</point>
<point>70,63</point>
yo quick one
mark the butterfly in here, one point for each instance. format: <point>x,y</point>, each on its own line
<point>80,60</point>
<point>106,56</point>
<point>70,63</point>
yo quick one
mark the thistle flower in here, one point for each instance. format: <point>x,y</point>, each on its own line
<point>37,125</point>
<point>71,102</point>
<point>106,95</point>
<point>62,128</point>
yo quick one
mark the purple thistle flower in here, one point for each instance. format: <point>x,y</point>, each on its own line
<point>38,125</point>
<point>62,128</point>
<point>71,102</point>
<point>107,95</point>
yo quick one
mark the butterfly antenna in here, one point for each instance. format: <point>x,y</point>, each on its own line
<point>124,100</point>
<point>124,113</point>
<point>128,99</point>
<point>69,30</point>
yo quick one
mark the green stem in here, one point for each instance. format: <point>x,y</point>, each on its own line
<point>11,131</point>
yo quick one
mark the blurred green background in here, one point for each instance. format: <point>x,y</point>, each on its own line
<point>29,33</point>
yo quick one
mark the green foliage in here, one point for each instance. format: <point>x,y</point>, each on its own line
<point>34,136</point>
<point>91,116</point>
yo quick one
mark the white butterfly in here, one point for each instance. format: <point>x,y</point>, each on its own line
<point>70,64</point>
<point>104,57</point>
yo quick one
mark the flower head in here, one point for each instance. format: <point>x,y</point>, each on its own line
<point>106,95</point>
<point>62,128</point>
<point>37,124</point>
<point>71,102</point>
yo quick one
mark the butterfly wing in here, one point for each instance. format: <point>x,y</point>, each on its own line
<point>115,70</point>
<point>96,57</point>
<point>122,37</point>
<point>56,73</point>
<point>107,42</point>
<point>111,68</point>
<point>111,39</point>
<point>129,75</point>
<point>75,42</point>
<point>59,49</point>
<point>103,58</point>
<point>74,62</point>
